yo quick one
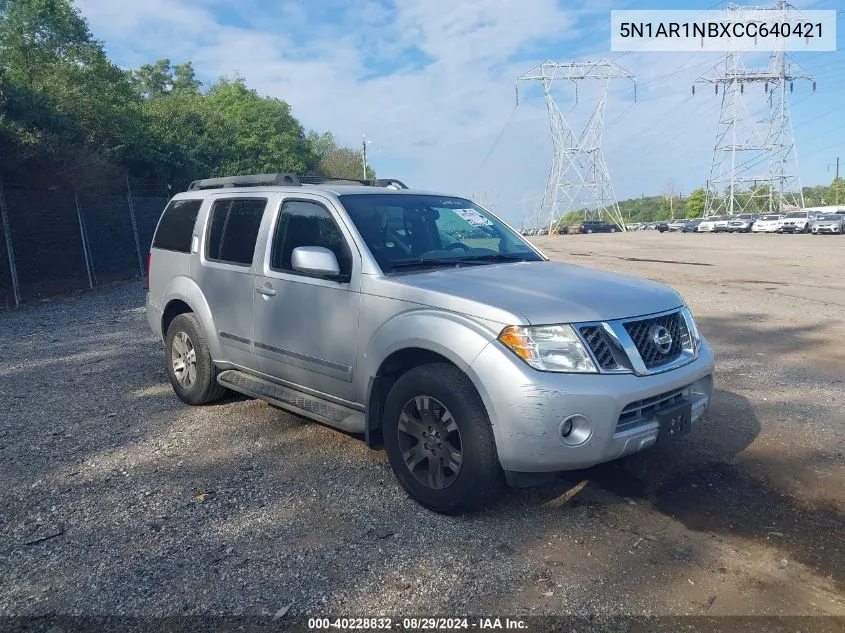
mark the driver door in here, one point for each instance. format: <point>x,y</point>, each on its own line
<point>305,325</point>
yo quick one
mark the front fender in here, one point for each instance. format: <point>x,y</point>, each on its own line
<point>457,338</point>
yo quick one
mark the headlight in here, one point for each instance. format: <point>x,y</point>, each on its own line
<point>549,348</point>
<point>693,329</point>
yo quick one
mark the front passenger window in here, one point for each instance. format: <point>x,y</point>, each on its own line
<point>304,223</point>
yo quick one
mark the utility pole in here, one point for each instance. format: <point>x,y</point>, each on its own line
<point>835,180</point>
<point>364,143</point>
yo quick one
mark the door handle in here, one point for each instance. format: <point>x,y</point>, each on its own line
<point>266,290</point>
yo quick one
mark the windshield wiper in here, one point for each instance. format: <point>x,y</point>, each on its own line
<point>477,260</point>
<point>495,257</point>
<point>439,261</point>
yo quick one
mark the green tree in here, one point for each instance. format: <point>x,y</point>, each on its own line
<point>161,78</point>
<point>695,203</point>
<point>336,161</point>
<point>836,193</point>
<point>267,138</point>
<point>67,109</point>
<point>184,80</point>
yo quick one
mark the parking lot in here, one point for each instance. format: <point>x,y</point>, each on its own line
<point>118,499</point>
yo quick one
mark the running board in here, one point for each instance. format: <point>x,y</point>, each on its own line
<point>338,416</point>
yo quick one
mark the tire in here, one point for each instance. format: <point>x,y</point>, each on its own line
<point>589,230</point>
<point>419,402</point>
<point>613,230</point>
<point>197,385</point>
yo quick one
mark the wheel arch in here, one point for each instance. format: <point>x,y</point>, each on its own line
<point>392,352</point>
<point>189,298</point>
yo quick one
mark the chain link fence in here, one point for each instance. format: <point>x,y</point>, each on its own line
<point>53,242</point>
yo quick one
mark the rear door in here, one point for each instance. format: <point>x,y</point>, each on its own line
<point>306,326</point>
<point>226,271</point>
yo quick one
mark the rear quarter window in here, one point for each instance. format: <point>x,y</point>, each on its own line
<point>177,226</point>
<point>233,230</point>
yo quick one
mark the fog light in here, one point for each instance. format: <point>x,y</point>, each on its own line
<point>575,429</point>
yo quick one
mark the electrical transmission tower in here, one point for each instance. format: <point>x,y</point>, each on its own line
<point>755,163</point>
<point>579,174</point>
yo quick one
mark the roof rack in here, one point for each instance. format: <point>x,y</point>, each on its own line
<point>290,180</point>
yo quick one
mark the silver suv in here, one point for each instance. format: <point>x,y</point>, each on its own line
<point>424,323</point>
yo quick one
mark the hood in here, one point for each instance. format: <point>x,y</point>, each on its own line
<point>533,292</point>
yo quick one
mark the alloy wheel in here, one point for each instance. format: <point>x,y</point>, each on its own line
<point>184,359</point>
<point>430,442</point>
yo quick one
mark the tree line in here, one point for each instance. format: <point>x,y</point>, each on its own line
<point>654,208</point>
<point>70,117</point>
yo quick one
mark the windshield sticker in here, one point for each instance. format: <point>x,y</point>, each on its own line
<point>473,217</point>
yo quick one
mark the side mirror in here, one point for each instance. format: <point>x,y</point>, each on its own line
<point>315,260</point>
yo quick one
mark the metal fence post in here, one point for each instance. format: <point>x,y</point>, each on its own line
<point>10,251</point>
<point>134,226</point>
<point>82,233</point>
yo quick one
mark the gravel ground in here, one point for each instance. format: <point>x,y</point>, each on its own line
<point>117,499</point>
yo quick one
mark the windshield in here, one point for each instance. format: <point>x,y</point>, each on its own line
<point>744,216</point>
<point>796,214</point>
<point>832,216</point>
<point>424,231</point>
<point>770,217</point>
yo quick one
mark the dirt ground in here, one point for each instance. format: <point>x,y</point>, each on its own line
<point>118,499</point>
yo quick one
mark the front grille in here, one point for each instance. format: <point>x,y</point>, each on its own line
<point>642,333</point>
<point>597,341</point>
<point>643,410</point>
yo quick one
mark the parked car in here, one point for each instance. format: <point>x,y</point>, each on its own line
<point>597,226</point>
<point>767,224</point>
<point>677,225</point>
<point>662,226</point>
<point>721,225</point>
<point>691,226</point>
<point>833,223</point>
<point>795,222</point>
<point>563,230</point>
<point>708,224</point>
<point>472,361</point>
<point>741,223</point>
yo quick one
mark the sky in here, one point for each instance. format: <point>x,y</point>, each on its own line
<point>432,84</point>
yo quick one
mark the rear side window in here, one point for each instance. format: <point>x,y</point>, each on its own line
<point>177,226</point>
<point>233,229</point>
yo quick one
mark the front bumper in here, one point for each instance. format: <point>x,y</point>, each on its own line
<point>827,229</point>
<point>527,407</point>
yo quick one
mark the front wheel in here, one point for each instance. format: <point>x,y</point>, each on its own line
<point>439,440</point>
<point>613,230</point>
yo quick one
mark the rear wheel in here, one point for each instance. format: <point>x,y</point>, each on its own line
<point>189,365</point>
<point>439,440</point>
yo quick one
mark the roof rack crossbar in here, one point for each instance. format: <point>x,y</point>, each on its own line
<point>290,180</point>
